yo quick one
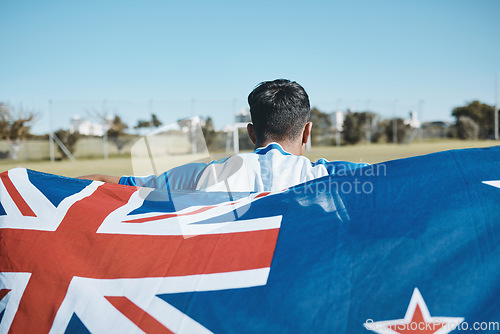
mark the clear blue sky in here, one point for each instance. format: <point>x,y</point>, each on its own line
<point>79,53</point>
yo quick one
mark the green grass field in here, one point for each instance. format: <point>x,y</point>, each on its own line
<point>360,153</point>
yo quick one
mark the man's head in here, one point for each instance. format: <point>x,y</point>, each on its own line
<point>280,111</point>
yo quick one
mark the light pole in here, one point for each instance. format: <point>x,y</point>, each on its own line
<point>106,128</point>
<point>193,129</point>
<point>420,118</point>
<point>394,124</point>
<point>496,106</point>
<point>368,123</point>
<point>51,134</point>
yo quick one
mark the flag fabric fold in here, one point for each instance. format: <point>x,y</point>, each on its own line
<point>405,246</point>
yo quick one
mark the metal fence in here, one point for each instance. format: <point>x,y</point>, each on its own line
<point>39,149</point>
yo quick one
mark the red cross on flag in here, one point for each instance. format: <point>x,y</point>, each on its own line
<point>107,266</point>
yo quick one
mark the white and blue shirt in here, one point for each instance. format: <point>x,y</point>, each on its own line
<point>269,168</point>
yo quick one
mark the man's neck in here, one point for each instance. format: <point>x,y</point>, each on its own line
<point>289,147</point>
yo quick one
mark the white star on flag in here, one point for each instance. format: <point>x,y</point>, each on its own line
<point>417,320</point>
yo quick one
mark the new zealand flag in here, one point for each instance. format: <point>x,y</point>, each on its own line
<point>407,246</point>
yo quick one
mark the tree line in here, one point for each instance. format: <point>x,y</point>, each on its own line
<point>474,120</point>
<point>365,126</point>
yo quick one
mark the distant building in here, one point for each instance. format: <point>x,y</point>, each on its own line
<point>436,124</point>
<point>337,119</point>
<point>228,128</point>
<point>190,124</point>
<point>413,120</point>
<point>86,127</point>
<point>243,116</point>
<point>436,129</point>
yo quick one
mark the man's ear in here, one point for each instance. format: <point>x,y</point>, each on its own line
<point>251,132</point>
<point>306,132</point>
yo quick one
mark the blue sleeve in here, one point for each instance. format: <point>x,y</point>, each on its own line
<point>182,177</point>
<point>339,167</point>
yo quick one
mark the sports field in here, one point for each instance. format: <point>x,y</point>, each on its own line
<point>359,153</point>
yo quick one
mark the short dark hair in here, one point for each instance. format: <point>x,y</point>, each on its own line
<point>279,109</point>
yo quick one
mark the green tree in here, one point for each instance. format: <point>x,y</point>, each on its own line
<point>466,128</point>
<point>377,128</point>
<point>401,130</point>
<point>482,114</point>
<point>321,133</point>
<point>117,127</point>
<point>356,125</point>
<point>209,133</point>
<point>117,134</point>
<point>15,126</point>
<point>69,139</point>
<point>142,124</point>
<point>352,130</point>
<point>155,122</point>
